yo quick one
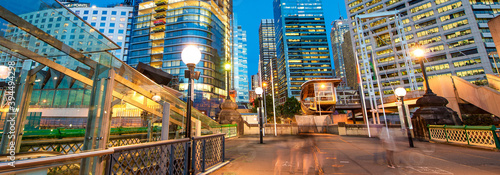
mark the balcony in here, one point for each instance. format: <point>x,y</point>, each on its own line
<point>160,9</point>
<point>159,22</point>
<point>159,15</point>
<point>159,29</point>
<point>161,2</point>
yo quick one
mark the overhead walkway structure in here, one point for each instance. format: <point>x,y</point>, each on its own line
<point>112,84</point>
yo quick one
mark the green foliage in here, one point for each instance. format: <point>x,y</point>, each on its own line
<point>477,119</point>
<point>290,108</point>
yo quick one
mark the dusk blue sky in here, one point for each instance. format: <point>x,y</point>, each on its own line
<point>250,12</point>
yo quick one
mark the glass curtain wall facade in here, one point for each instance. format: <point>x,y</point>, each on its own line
<point>162,29</point>
<point>240,65</point>
<point>339,28</point>
<point>454,33</point>
<point>302,46</point>
<point>267,48</point>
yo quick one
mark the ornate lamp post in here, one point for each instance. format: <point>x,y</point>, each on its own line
<point>191,56</point>
<point>432,108</point>
<point>401,92</point>
<point>259,91</point>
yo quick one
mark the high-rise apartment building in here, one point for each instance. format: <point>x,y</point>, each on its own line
<point>302,46</point>
<point>240,65</point>
<point>454,34</point>
<point>339,28</point>
<point>267,48</point>
<point>163,28</point>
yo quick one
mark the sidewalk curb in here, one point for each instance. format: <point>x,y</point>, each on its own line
<point>211,170</point>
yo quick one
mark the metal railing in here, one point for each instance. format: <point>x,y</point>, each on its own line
<point>207,151</point>
<point>484,136</point>
<point>162,157</point>
<point>231,130</point>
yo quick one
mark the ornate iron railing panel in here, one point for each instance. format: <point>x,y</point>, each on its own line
<point>164,157</point>
<point>484,136</point>
<point>208,151</point>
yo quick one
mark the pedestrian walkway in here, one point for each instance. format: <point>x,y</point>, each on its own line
<point>333,154</point>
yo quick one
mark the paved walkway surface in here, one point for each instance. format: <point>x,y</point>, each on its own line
<point>333,154</point>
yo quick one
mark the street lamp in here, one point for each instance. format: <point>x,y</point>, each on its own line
<point>401,92</point>
<point>420,53</point>
<point>191,56</point>
<point>259,91</point>
<point>4,72</point>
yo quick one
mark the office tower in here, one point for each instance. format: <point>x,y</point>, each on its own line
<point>267,48</point>
<point>240,65</point>
<point>163,28</point>
<point>255,81</point>
<point>113,22</point>
<point>302,46</point>
<point>351,73</point>
<point>454,34</point>
<point>339,28</point>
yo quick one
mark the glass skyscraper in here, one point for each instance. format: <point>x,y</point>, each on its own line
<point>301,45</point>
<point>339,28</point>
<point>163,28</point>
<point>240,66</point>
<point>267,48</point>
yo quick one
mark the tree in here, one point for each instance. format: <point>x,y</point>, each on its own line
<point>290,108</point>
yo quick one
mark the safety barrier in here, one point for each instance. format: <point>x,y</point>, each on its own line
<point>484,136</point>
<point>162,157</point>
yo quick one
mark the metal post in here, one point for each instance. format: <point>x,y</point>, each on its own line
<point>261,123</point>
<point>188,119</point>
<point>165,121</point>
<point>97,130</point>
<point>274,106</point>
<point>410,140</point>
<point>424,73</point>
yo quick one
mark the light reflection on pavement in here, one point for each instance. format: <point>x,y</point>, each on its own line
<point>333,154</point>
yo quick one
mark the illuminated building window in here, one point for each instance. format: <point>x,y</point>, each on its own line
<point>430,40</point>
<point>434,49</point>
<point>427,32</point>
<point>421,7</point>
<point>423,15</point>
<point>440,1</point>
<point>470,72</point>
<point>455,24</point>
<point>452,16</point>
<point>458,34</point>
<point>450,7</point>
<point>461,43</point>
<point>467,62</point>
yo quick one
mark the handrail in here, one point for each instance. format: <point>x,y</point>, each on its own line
<point>145,145</point>
<point>208,136</point>
<point>5,167</point>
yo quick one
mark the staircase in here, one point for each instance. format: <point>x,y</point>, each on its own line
<point>458,90</point>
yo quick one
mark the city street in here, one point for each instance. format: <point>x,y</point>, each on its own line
<point>333,154</point>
